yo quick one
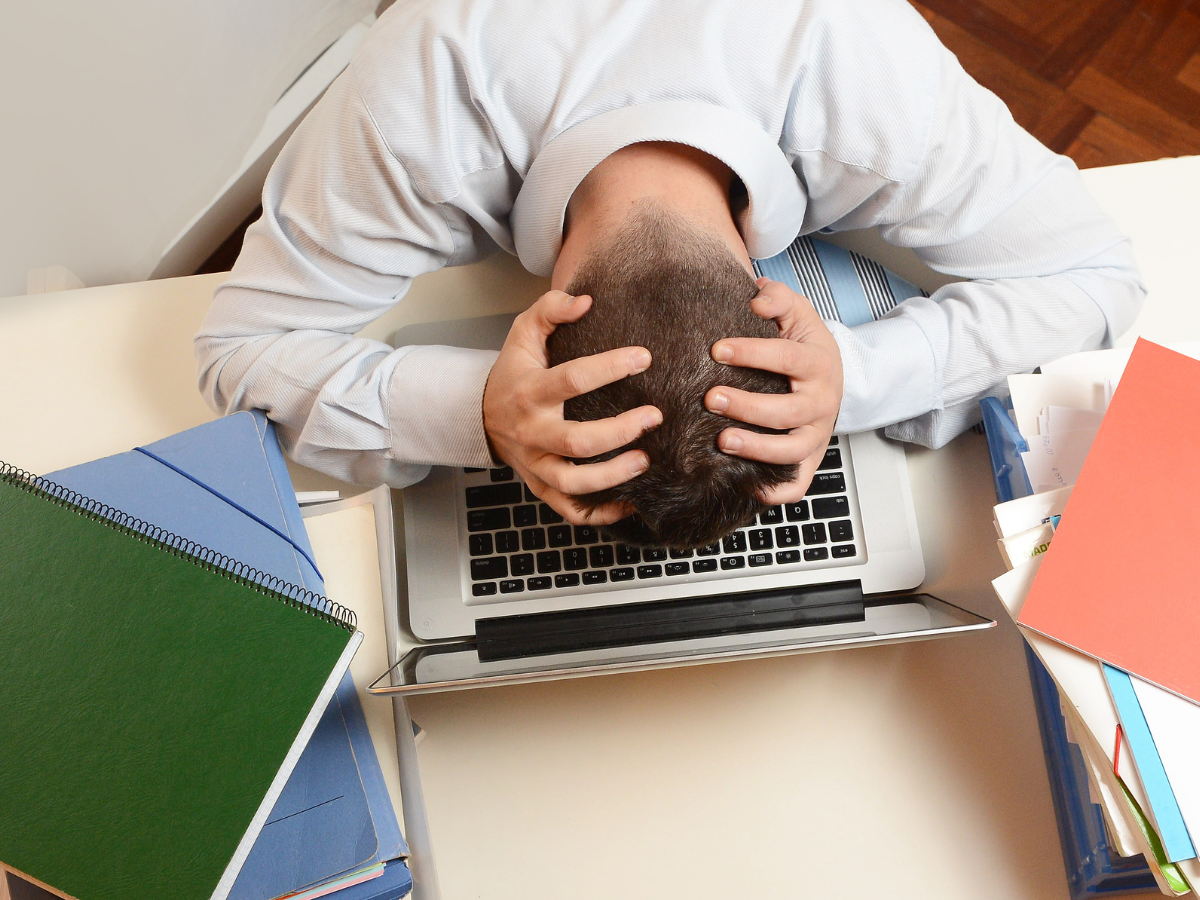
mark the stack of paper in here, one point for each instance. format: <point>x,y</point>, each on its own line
<point>1102,568</point>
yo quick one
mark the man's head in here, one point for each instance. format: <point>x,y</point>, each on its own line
<point>660,282</point>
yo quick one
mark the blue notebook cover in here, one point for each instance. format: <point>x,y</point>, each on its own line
<point>335,815</point>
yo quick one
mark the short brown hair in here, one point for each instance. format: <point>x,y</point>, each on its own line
<point>663,284</point>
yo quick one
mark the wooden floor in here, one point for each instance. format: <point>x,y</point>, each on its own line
<point>1103,81</point>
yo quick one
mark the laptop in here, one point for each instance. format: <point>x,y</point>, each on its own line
<point>502,590</point>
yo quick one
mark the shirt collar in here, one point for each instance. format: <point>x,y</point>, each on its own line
<point>777,200</point>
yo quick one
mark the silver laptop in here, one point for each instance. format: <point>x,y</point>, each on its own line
<point>502,589</point>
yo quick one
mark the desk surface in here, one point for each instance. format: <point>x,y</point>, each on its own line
<point>906,771</point>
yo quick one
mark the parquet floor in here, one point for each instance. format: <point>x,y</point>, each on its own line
<point>1103,81</point>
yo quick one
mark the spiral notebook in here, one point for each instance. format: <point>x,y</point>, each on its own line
<point>155,698</point>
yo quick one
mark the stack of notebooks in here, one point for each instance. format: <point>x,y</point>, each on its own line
<point>179,717</point>
<point>1100,540</point>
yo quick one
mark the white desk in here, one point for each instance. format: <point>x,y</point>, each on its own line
<point>907,771</point>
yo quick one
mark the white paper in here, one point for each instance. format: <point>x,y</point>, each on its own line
<point>1033,393</point>
<point>1057,419</point>
<point>1175,726</point>
<point>1024,513</point>
<point>1055,460</point>
<point>1025,545</point>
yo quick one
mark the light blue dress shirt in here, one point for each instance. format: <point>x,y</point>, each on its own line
<point>463,126</point>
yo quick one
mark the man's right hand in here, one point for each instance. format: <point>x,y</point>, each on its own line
<point>523,413</point>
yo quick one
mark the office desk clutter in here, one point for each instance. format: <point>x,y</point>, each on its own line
<point>1102,573</point>
<point>165,741</point>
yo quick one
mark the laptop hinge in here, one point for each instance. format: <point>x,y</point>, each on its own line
<point>538,634</point>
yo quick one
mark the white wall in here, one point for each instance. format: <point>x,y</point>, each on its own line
<point>120,121</point>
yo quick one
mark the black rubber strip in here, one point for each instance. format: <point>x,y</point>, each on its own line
<point>538,634</point>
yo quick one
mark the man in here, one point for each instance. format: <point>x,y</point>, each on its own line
<point>465,126</point>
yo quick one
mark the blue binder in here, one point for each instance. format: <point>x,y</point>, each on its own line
<point>1093,868</point>
<point>225,485</point>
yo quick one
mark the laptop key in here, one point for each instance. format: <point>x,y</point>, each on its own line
<point>524,516</point>
<point>812,554</point>
<point>549,561</point>
<point>601,557</point>
<point>842,551</point>
<point>493,495</point>
<point>830,507</point>
<point>504,473</point>
<point>491,567</point>
<point>595,577</point>
<point>586,534</point>
<point>704,565</point>
<point>796,512</point>
<point>625,574</point>
<point>709,550</point>
<point>470,471</point>
<point>841,531</point>
<point>512,586</point>
<point>574,559</point>
<point>548,516</point>
<point>507,542</point>
<point>540,584</point>
<point>759,559</point>
<point>772,516</point>
<point>827,483</point>
<point>734,543</point>
<point>521,564</point>
<point>483,589</point>
<point>653,554</point>
<point>681,554</point>
<point>560,535</point>
<point>678,568</point>
<point>488,519</point>
<point>530,496</point>
<point>814,533</point>
<point>649,571</point>
<point>760,539</point>
<point>628,556</point>
<point>533,539</point>
<point>733,562</point>
<point>567,579</point>
<point>787,536</point>
<point>787,556</point>
<point>831,460</point>
<point>480,544</point>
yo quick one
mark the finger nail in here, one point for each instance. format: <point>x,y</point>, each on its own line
<point>722,353</point>
<point>640,361</point>
<point>651,420</point>
<point>718,403</point>
<point>639,465</point>
<point>731,443</point>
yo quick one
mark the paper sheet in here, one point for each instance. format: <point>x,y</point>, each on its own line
<point>1054,460</point>
<point>1175,726</point>
<point>1033,393</point>
<point>1019,515</point>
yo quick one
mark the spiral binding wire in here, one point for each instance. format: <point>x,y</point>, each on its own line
<point>181,547</point>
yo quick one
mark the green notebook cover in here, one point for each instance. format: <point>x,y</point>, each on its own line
<point>152,702</point>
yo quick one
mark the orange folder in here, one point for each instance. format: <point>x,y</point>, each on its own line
<point>1121,580</point>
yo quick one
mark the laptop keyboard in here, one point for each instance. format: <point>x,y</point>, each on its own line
<point>520,546</point>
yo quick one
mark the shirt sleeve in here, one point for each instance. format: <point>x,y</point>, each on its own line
<point>1048,272</point>
<point>344,231</point>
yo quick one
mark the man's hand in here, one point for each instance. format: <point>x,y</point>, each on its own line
<point>807,353</point>
<point>523,413</point>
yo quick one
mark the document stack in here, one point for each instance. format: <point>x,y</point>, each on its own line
<point>1098,524</point>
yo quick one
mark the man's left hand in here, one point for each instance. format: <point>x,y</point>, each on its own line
<point>808,355</point>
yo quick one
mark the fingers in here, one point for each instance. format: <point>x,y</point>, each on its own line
<point>579,376</point>
<point>792,492</point>
<point>781,449</point>
<point>794,313</point>
<point>781,411</point>
<point>572,478</point>
<point>787,357</point>
<point>570,509</point>
<point>580,440</point>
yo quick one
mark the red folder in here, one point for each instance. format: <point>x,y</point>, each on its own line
<point>1121,580</point>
